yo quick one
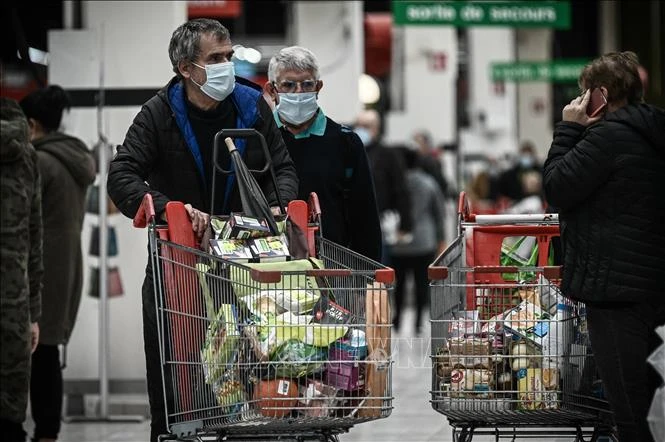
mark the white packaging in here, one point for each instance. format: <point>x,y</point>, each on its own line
<point>560,335</point>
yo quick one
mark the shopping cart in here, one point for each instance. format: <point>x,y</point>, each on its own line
<point>255,352</point>
<point>510,355</point>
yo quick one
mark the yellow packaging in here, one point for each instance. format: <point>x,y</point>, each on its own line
<point>537,388</point>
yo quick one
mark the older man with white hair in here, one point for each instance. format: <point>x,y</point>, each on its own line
<point>330,158</point>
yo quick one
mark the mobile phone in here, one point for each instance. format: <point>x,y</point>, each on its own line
<point>597,103</point>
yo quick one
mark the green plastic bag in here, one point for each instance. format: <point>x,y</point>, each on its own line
<point>522,251</point>
<point>519,251</point>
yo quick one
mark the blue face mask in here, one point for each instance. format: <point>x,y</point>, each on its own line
<point>526,161</point>
<point>297,108</point>
<point>220,80</point>
<point>364,135</point>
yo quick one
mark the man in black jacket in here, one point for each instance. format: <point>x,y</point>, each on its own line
<point>389,173</point>
<point>604,174</point>
<point>330,158</point>
<point>167,152</point>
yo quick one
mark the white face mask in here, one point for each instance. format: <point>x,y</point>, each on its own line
<point>364,135</point>
<point>296,108</point>
<point>220,80</point>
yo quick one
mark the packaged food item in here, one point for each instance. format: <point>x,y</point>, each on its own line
<point>276,397</point>
<point>317,399</point>
<point>221,343</point>
<point>527,321</point>
<point>474,382</point>
<point>470,352</point>
<point>466,323</point>
<point>537,388</point>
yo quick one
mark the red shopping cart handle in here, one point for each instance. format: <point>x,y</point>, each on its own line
<point>314,206</point>
<point>146,212</point>
<point>463,207</point>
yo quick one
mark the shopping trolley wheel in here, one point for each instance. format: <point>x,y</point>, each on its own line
<point>465,434</point>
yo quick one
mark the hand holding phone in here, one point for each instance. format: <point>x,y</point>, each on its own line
<point>597,103</point>
<point>583,109</point>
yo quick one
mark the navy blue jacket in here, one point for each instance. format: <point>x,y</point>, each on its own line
<point>322,162</point>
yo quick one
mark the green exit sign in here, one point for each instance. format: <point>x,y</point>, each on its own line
<point>560,71</point>
<point>526,14</point>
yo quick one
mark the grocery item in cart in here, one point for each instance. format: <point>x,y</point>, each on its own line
<point>239,226</point>
<point>317,399</point>
<point>294,359</point>
<point>471,382</point>
<point>527,320</point>
<point>377,335</point>
<point>221,343</point>
<point>232,249</point>
<point>230,395</point>
<point>537,388</point>
<point>470,352</point>
<point>465,323</point>
<point>276,397</point>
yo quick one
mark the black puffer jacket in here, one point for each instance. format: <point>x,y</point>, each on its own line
<point>607,182</point>
<point>160,154</point>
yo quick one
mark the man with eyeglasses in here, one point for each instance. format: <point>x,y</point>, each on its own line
<point>330,158</point>
<point>168,152</point>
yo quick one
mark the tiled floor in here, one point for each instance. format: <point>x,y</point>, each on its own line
<point>412,419</point>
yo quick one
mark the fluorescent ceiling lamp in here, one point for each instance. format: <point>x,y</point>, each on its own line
<point>36,56</point>
<point>249,55</point>
<point>368,89</point>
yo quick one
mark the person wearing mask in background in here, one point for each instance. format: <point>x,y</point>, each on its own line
<point>428,237</point>
<point>604,175</point>
<point>167,152</point>
<point>389,176</point>
<point>21,268</point>
<point>67,169</point>
<point>330,158</point>
<point>509,183</point>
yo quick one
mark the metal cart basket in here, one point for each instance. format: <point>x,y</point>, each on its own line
<point>510,355</point>
<point>271,350</point>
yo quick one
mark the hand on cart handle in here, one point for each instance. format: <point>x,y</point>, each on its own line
<point>199,220</point>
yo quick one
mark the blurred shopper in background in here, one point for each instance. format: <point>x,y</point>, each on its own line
<point>167,152</point>
<point>330,158</point>
<point>532,189</point>
<point>67,169</point>
<point>604,175</point>
<point>21,267</point>
<point>413,257</point>
<point>509,184</point>
<point>429,159</point>
<point>389,175</point>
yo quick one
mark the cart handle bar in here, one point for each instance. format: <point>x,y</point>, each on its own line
<point>385,276</point>
<point>146,213</point>
<point>440,273</point>
<point>464,212</point>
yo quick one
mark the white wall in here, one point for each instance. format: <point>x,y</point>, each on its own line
<point>498,133</point>
<point>334,32</point>
<point>429,100</point>
<point>130,39</point>
<point>534,100</point>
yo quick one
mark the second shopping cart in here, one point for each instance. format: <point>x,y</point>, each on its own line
<point>509,352</point>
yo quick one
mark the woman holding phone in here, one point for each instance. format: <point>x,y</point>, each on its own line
<point>604,174</point>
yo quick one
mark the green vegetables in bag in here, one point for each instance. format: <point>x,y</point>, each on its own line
<point>294,358</point>
<point>221,344</point>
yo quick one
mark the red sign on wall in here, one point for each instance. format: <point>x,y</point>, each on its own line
<point>214,8</point>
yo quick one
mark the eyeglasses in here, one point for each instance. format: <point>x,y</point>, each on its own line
<point>289,86</point>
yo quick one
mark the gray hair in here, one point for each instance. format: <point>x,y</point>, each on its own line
<point>293,58</point>
<point>185,42</point>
